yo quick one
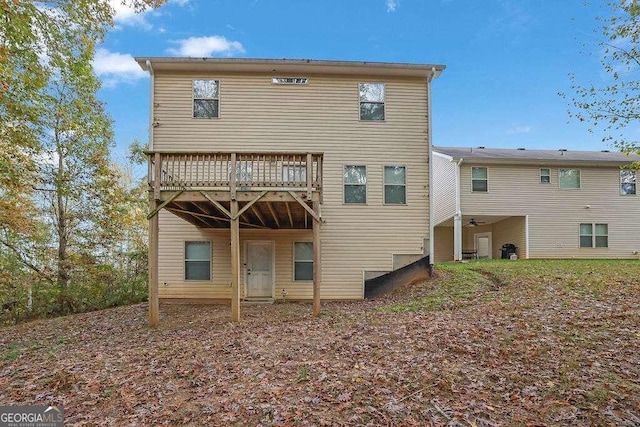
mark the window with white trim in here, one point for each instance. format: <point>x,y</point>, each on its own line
<point>395,186</point>
<point>569,178</point>
<point>545,176</point>
<point>355,184</point>
<point>197,260</point>
<point>628,182</point>
<point>594,235</point>
<point>206,99</point>
<point>479,179</point>
<point>371,101</point>
<point>303,261</point>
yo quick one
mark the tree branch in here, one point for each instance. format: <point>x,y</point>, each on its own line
<point>24,261</point>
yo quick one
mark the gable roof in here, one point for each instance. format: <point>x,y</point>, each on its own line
<point>519,156</point>
<point>291,66</point>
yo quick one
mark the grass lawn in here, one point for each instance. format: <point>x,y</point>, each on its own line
<point>509,343</point>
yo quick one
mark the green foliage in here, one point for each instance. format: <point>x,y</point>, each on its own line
<point>10,353</point>
<point>458,285</point>
<point>72,222</point>
<point>614,106</point>
<point>454,287</point>
<point>137,154</point>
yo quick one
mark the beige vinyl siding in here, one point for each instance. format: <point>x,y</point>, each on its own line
<point>444,188</point>
<point>555,214</point>
<point>509,230</point>
<point>468,236</point>
<point>443,243</point>
<point>322,116</point>
<point>175,231</point>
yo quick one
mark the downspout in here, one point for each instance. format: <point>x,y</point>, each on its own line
<point>430,143</point>
<point>151,97</point>
<point>457,218</point>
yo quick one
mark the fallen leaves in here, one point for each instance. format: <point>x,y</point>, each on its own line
<point>530,351</point>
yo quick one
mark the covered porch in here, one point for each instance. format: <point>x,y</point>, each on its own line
<point>235,191</point>
<point>470,236</point>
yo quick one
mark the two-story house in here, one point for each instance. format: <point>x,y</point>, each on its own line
<point>548,203</point>
<point>284,178</point>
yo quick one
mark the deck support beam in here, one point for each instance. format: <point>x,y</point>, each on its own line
<point>273,214</point>
<point>235,262</point>
<point>154,302</point>
<point>313,212</point>
<point>317,266</point>
<point>251,203</point>
<point>216,204</point>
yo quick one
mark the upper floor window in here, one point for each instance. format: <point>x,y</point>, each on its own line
<point>197,260</point>
<point>569,178</point>
<point>206,99</point>
<point>545,176</point>
<point>371,101</point>
<point>355,184</point>
<point>627,182</point>
<point>479,181</point>
<point>395,185</point>
<point>589,239</point>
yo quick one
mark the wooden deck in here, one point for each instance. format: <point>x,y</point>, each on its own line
<point>273,190</point>
<point>235,190</point>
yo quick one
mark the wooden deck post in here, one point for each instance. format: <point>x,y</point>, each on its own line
<point>317,266</point>
<point>309,175</point>
<point>233,178</point>
<point>235,262</point>
<point>154,303</point>
<point>157,175</point>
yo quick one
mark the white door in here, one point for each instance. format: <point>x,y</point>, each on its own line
<point>483,245</point>
<point>259,270</point>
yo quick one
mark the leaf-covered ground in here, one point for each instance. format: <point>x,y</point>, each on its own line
<point>528,343</point>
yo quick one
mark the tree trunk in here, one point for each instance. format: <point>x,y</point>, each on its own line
<point>64,301</point>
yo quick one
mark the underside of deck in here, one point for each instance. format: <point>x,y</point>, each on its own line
<point>235,191</point>
<point>277,209</point>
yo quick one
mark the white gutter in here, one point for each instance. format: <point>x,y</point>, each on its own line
<point>151,105</point>
<point>430,143</point>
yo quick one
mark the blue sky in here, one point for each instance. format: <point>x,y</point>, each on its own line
<point>506,59</point>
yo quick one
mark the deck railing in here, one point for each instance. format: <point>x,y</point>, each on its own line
<point>235,171</point>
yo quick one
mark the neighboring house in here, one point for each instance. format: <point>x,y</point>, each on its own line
<point>548,203</point>
<point>290,179</point>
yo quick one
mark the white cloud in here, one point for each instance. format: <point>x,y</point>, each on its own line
<point>392,5</point>
<point>114,68</point>
<point>519,129</point>
<point>126,15</point>
<point>199,47</point>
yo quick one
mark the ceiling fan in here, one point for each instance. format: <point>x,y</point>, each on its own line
<point>474,223</point>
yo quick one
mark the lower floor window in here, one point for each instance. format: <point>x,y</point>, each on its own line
<point>303,261</point>
<point>197,260</point>
<point>594,235</point>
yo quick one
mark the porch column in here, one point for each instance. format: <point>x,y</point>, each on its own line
<point>235,262</point>
<point>154,303</point>
<point>317,266</point>
<point>457,237</point>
